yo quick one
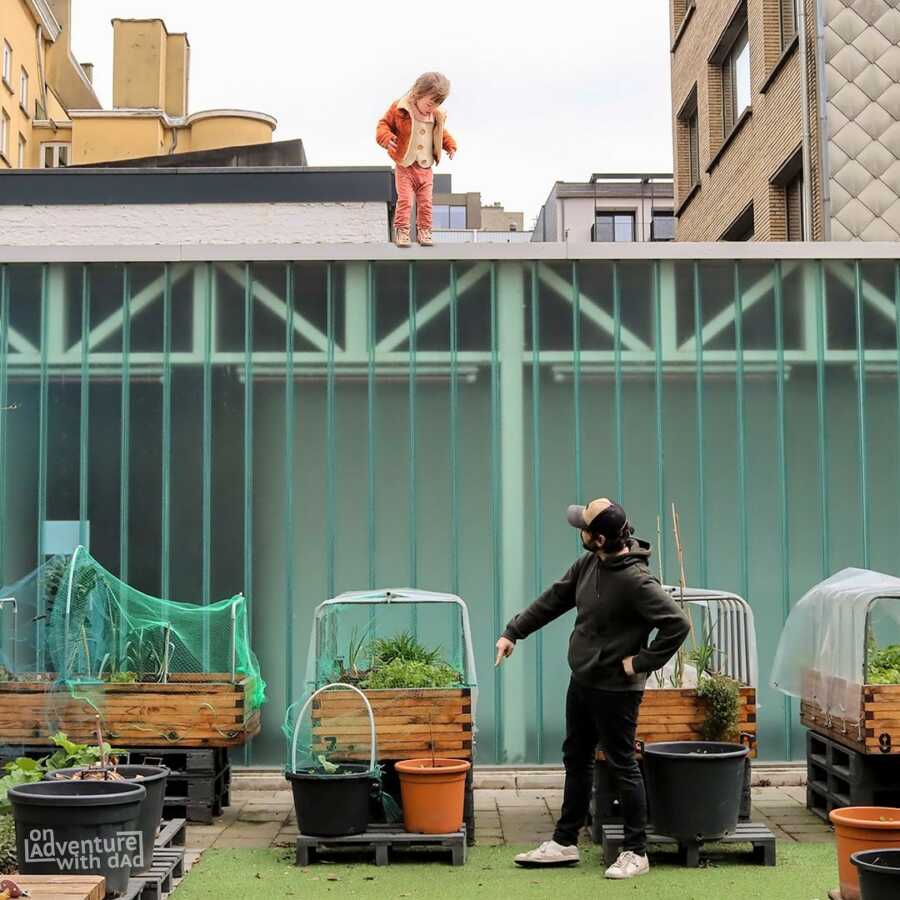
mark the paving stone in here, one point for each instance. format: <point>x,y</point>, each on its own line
<point>488,841</point>
<point>494,781</point>
<point>819,838</point>
<point>262,815</point>
<point>201,841</point>
<point>519,798</point>
<point>807,829</point>
<point>541,781</point>
<point>483,802</point>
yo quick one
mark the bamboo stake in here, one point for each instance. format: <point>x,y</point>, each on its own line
<point>659,548</point>
<point>102,749</point>
<point>682,580</point>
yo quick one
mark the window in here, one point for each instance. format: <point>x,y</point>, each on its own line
<point>7,65</point>
<point>609,227</point>
<point>688,134</point>
<point>54,156</point>
<point>454,217</point>
<point>23,146</point>
<point>793,202</point>
<point>742,229</point>
<point>662,227</point>
<point>23,90</point>
<point>4,134</point>
<point>788,22</point>
<point>736,81</point>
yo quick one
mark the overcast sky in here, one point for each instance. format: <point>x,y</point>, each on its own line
<point>537,97</point>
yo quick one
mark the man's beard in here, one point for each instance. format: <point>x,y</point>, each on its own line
<point>591,546</point>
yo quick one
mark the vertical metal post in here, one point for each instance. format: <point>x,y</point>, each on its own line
<point>700,402</point>
<point>537,498</point>
<point>782,480</point>
<point>165,513</point>
<point>40,624</point>
<point>618,406</point>
<point>248,459</point>
<point>205,287</point>
<point>511,326</point>
<point>370,395</point>
<point>576,385</point>
<point>454,445</point>
<point>83,425</point>
<point>863,467</point>
<point>496,512</point>
<point>330,430</point>
<point>289,416</point>
<point>413,336</point>
<point>822,441</point>
<point>660,446</point>
<point>896,345</point>
<point>454,431</point>
<point>125,438</point>
<point>4,412</point>
<point>743,536</point>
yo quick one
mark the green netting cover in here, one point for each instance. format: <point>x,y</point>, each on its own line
<point>76,623</point>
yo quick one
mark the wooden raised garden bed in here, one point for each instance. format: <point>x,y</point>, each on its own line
<point>409,723</point>
<point>206,710</point>
<point>874,729</point>
<point>677,714</point>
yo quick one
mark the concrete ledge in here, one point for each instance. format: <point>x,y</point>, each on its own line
<point>549,778</point>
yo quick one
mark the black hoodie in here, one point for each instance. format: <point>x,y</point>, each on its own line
<point>618,603</point>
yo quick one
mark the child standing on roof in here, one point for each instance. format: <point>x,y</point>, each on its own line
<point>413,133</point>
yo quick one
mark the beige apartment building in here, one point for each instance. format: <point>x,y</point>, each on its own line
<point>786,119</point>
<point>50,115</point>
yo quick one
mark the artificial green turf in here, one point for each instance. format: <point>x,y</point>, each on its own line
<point>804,872</point>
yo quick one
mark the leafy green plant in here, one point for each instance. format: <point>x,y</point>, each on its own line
<point>721,695</point>
<point>401,673</point>
<point>8,861</point>
<point>884,665</point>
<point>402,646</point>
<point>68,755</point>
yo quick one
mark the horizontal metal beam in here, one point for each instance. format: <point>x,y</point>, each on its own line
<point>759,251</point>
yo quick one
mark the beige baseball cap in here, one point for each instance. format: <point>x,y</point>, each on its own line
<point>601,516</point>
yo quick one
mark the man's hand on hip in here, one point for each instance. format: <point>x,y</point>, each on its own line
<point>628,665</point>
<point>505,648</point>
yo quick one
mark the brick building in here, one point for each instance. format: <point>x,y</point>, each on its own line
<point>778,138</point>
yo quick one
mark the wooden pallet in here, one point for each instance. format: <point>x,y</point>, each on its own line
<point>62,887</point>
<point>408,723</point>
<point>873,727</point>
<point>382,839</point>
<point>759,836</point>
<point>168,864</point>
<point>677,714</point>
<point>190,711</point>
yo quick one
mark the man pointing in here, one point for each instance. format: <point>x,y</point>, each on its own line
<point>618,604</point>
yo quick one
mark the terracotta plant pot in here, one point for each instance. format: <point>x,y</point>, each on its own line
<point>433,795</point>
<point>862,828</point>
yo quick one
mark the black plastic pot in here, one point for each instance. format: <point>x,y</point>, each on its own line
<point>879,873</point>
<point>332,805</point>
<point>694,788</point>
<point>153,778</point>
<point>79,828</point>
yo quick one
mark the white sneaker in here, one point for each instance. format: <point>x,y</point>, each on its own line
<point>549,854</point>
<point>628,865</point>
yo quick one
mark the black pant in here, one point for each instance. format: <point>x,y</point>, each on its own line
<point>610,718</point>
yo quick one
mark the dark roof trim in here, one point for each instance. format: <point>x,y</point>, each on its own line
<point>70,187</point>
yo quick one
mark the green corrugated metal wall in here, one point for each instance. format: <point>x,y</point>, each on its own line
<point>426,424</point>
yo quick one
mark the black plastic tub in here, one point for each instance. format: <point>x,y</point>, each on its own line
<point>333,805</point>
<point>79,828</point>
<point>879,873</point>
<point>694,788</point>
<point>153,778</point>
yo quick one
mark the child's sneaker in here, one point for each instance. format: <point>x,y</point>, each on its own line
<point>628,865</point>
<point>425,238</point>
<point>401,237</point>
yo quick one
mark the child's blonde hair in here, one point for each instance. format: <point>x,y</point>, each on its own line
<point>431,84</point>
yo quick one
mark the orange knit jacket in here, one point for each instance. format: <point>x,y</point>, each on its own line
<point>397,123</point>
